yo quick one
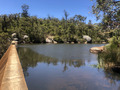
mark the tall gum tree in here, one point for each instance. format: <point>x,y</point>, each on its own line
<point>110,10</point>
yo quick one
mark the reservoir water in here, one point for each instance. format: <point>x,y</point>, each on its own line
<point>65,67</point>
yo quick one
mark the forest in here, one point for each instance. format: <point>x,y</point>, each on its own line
<point>66,30</point>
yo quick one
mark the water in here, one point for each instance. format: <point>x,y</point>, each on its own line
<point>65,67</point>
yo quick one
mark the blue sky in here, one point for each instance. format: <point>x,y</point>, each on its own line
<point>54,8</point>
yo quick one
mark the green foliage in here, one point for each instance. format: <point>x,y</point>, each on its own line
<point>111,56</point>
<point>98,40</point>
<point>25,10</point>
<point>66,30</point>
<point>112,52</point>
<point>58,39</point>
<point>37,29</point>
<point>109,10</point>
<point>4,42</point>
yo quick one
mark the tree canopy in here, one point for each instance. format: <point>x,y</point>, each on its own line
<point>109,10</point>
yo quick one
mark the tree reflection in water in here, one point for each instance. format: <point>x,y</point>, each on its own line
<point>29,58</point>
<point>109,70</point>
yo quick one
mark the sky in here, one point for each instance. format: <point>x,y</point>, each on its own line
<point>54,8</point>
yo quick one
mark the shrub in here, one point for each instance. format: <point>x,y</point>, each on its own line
<point>112,52</point>
<point>58,39</point>
<point>4,43</point>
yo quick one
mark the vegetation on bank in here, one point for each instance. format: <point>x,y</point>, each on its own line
<point>4,42</point>
<point>111,56</point>
<point>110,10</point>
<point>64,30</point>
<point>68,29</point>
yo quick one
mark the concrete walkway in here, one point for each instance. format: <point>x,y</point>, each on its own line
<point>13,77</point>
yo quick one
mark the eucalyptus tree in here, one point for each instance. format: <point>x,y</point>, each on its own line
<point>79,18</point>
<point>110,10</point>
<point>25,10</point>
<point>66,18</point>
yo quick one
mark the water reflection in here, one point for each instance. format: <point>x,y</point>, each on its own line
<point>49,67</point>
<point>29,58</point>
<point>112,74</point>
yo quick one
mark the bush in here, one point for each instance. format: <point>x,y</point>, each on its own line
<point>112,52</point>
<point>113,43</point>
<point>58,39</point>
<point>81,40</point>
<point>4,43</point>
<point>111,56</point>
<point>98,40</point>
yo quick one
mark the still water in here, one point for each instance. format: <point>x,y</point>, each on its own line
<point>65,67</point>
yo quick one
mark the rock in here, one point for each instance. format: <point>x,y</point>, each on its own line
<point>96,49</point>
<point>49,40</point>
<point>72,42</point>
<point>14,35</point>
<point>85,43</point>
<point>25,36</point>
<point>103,42</point>
<point>14,42</point>
<point>55,42</point>
<point>15,39</point>
<point>88,38</point>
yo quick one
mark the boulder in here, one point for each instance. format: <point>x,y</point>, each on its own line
<point>85,43</point>
<point>14,35</point>
<point>25,36</point>
<point>14,42</point>
<point>88,38</point>
<point>96,49</point>
<point>49,40</point>
<point>103,42</point>
<point>15,39</point>
<point>54,42</point>
<point>72,42</point>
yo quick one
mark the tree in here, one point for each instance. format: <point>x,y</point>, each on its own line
<point>66,15</point>
<point>90,22</point>
<point>109,9</point>
<point>66,18</point>
<point>79,18</point>
<point>25,10</point>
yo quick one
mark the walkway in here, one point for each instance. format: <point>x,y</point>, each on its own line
<point>11,73</point>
